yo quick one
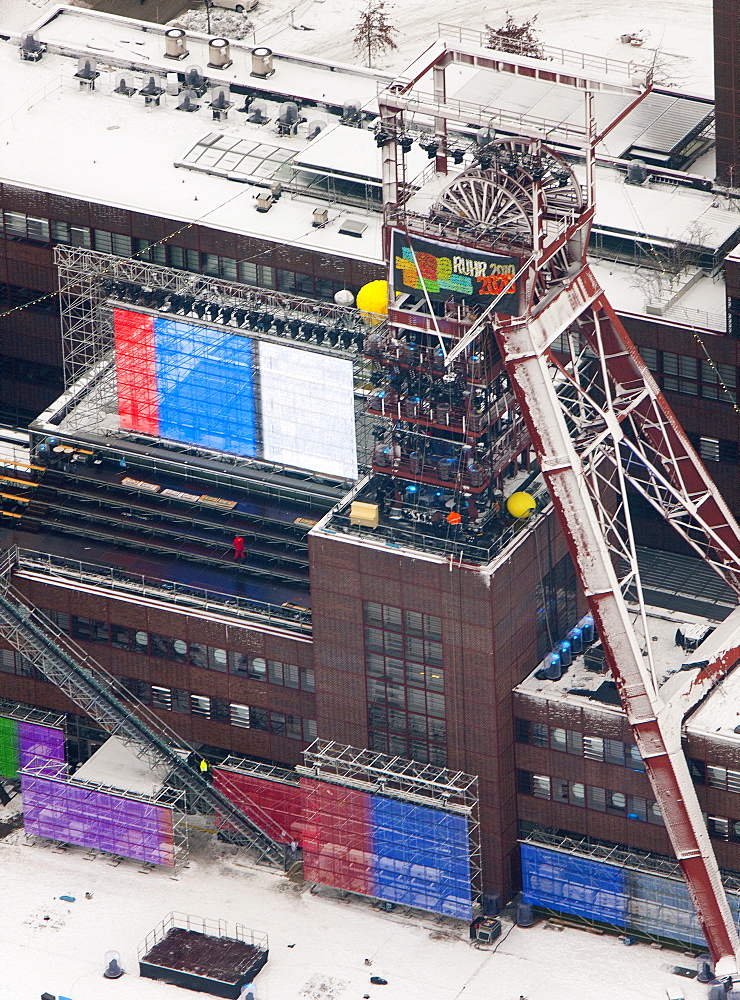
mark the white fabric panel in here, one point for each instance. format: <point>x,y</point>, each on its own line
<point>307,408</point>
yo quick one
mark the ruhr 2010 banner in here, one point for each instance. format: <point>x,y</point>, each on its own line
<point>447,271</point>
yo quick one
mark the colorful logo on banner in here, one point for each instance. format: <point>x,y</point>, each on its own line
<point>444,271</point>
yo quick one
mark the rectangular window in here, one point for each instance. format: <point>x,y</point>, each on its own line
<point>709,449</point>
<point>38,229</point>
<point>121,637</point>
<point>522,730</point>
<point>559,790</point>
<point>541,786</point>
<point>634,760</point>
<point>180,701</point>
<point>293,727</point>
<point>650,357</point>
<point>161,698</point>
<point>290,675</point>
<point>616,803</point>
<point>239,716</point>
<point>614,752</point>
<point>142,250</point>
<point>79,236</point>
<point>247,272</point>
<point>257,668</point>
<point>228,268</point>
<point>575,743</point>
<point>218,659</point>
<point>7,661</point>
<point>539,734</point>
<point>159,645</point>
<point>307,680</point>
<point>220,710</point>
<point>239,664</point>
<point>200,705</point>
<point>558,740</point>
<point>654,814</point>
<point>15,224</point>
<point>577,794</point>
<point>260,719</point>
<point>198,655</point>
<point>733,780</point>
<point>210,264</point>
<point>103,241</point>
<point>275,671</point>
<point>696,767</point>
<point>122,245</point>
<point>277,723</point>
<point>593,747</point>
<point>309,730</point>
<point>719,827</point>
<point>596,798</point>
<point>716,776</point>
<point>637,808</point>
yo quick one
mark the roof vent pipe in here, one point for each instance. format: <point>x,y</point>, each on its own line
<point>262,62</point>
<point>218,53</point>
<point>175,43</point>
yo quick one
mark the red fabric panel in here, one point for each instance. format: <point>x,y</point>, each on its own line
<point>275,807</point>
<point>336,842</point>
<point>136,371</point>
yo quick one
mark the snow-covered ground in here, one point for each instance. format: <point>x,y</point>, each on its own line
<point>318,943</point>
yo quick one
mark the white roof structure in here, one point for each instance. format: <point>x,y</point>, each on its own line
<point>97,145</point>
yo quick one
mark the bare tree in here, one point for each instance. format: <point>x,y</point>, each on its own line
<point>513,37</point>
<point>374,32</point>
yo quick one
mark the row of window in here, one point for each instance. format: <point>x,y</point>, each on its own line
<point>405,683</point>
<point>579,744</point>
<point>715,449</point>
<point>167,699</point>
<point>196,654</point>
<point>20,225</point>
<point>683,373</point>
<point>574,793</point>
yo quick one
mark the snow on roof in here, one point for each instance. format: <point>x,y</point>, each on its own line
<point>116,765</point>
<point>104,147</point>
<point>579,685</point>
<point>319,943</point>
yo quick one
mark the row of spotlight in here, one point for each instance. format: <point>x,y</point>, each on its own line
<point>258,320</point>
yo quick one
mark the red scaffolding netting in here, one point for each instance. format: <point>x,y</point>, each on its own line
<point>337,847</point>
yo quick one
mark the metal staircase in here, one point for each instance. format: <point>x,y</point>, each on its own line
<point>99,695</point>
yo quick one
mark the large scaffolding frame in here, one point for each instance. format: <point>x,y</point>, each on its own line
<point>113,820</point>
<point>210,319</point>
<point>341,782</point>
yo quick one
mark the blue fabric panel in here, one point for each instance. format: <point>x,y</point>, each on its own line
<point>205,385</point>
<point>575,885</point>
<point>662,907</point>
<point>422,857</point>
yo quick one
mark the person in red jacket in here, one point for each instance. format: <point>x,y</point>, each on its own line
<point>238,544</point>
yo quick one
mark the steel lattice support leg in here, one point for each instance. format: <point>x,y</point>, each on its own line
<point>525,351</point>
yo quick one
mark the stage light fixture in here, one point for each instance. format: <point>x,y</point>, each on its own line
<point>279,325</point>
<point>199,308</point>
<point>457,155</point>
<point>294,328</point>
<point>405,142</point>
<point>382,139</point>
<point>239,316</point>
<point>319,333</point>
<point>226,314</point>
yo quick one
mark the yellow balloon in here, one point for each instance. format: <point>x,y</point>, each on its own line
<point>372,301</point>
<point>520,504</point>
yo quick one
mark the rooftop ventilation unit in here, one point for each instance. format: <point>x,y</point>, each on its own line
<point>262,62</point>
<point>125,85</point>
<point>151,91</point>
<point>352,112</point>
<point>288,118</point>
<point>353,227</point>
<point>31,48</point>
<point>173,84</point>
<point>320,217</point>
<point>257,112</point>
<point>315,126</point>
<point>264,201</point>
<point>220,102</point>
<point>189,101</point>
<point>219,53</point>
<point>195,81</point>
<point>175,44</point>
<point>87,72</point>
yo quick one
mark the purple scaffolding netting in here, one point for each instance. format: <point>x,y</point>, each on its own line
<point>58,809</point>
<point>40,743</point>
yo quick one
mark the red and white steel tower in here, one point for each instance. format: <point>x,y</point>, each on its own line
<point>491,274</point>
